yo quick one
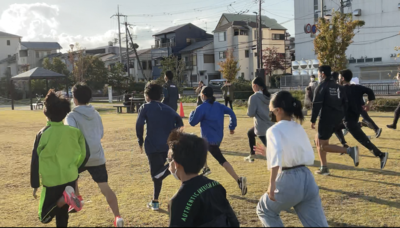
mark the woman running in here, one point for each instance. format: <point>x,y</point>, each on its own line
<point>259,110</point>
<point>291,182</point>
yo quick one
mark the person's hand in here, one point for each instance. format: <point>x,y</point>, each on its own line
<point>260,150</point>
<point>313,126</point>
<point>366,108</point>
<point>232,132</point>
<point>34,193</point>
<point>271,192</point>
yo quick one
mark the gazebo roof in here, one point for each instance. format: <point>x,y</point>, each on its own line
<point>38,73</point>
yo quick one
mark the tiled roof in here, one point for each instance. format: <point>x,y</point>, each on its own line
<point>41,45</point>
<point>268,22</point>
<point>196,46</point>
<point>9,35</point>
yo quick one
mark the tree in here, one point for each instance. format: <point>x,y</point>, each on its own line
<point>229,68</point>
<point>273,61</point>
<point>177,66</point>
<point>96,74</point>
<point>117,78</point>
<point>58,66</point>
<point>334,37</point>
<point>80,62</point>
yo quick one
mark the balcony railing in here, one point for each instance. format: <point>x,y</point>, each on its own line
<point>164,45</point>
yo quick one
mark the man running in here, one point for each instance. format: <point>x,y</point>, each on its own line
<point>330,103</point>
<point>170,91</point>
<point>354,94</point>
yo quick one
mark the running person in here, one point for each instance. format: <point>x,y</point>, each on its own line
<point>397,111</point>
<point>160,120</point>
<point>170,91</point>
<point>354,95</point>
<point>58,153</point>
<point>330,103</point>
<point>291,183</point>
<point>200,202</point>
<point>258,109</point>
<point>210,115</point>
<point>88,120</point>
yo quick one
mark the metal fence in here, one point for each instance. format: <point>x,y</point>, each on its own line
<point>383,89</point>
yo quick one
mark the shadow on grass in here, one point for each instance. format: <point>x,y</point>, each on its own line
<point>242,154</point>
<point>345,167</point>
<point>340,224</point>
<point>364,197</point>
<point>366,156</point>
<point>161,211</point>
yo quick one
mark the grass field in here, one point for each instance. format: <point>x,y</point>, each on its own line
<point>363,196</point>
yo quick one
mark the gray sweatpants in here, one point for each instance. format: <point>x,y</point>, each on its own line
<point>294,188</point>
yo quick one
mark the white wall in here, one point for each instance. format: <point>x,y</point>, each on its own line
<point>6,50</point>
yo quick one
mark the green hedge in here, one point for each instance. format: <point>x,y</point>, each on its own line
<point>385,105</point>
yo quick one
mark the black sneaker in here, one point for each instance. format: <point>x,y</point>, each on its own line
<point>323,171</point>
<point>392,127</point>
<point>243,185</point>
<point>378,133</point>
<point>206,172</point>
<point>353,153</point>
<point>384,159</point>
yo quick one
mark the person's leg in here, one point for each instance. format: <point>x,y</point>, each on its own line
<point>159,171</point>
<point>396,118</point>
<point>252,140</point>
<point>217,154</point>
<point>226,102</point>
<point>339,134</point>
<point>62,217</point>
<point>263,140</point>
<point>368,121</point>
<point>230,103</point>
<point>356,131</point>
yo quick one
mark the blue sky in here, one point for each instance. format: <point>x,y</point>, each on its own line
<point>88,22</point>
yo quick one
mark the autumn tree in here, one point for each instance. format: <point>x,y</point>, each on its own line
<point>55,65</point>
<point>80,63</point>
<point>335,36</point>
<point>177,66</point>
<point>229,67</point>
<point>273,61</point>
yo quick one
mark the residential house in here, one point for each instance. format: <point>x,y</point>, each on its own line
<point>238,33</point>
<point>200,62</point>
<point>9,44</point>
<point>31,54</point>
<point>172,40</point>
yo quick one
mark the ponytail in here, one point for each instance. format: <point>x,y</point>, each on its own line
<point>298,110</point>
<point>290,105</point>
<point>212,99</point>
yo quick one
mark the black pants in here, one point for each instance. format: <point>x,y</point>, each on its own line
<point>368,122</point>
<point>396,115</point>
<point>159,171</point>
<point>339,133</point>
<point>252,140</point>
<point>355,130</point>
<point>228,100</point>
<point>216,152</point>
<point>48,209</point>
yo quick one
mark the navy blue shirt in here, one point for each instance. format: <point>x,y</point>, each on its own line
<point>161,120</point>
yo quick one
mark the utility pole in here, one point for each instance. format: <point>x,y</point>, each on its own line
<point>134,47</point>
<point>127,47</point>
<point>119,33</point>
<point>259,45</point>
<point>322,8</point>
<point>342,6</point>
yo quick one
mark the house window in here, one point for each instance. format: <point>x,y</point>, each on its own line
<point>222,36</point>
<point>278,36</point>
<point>246,53</point>
<point>150,65</point>
<point>377,59</point>
<point>144,65</point>
<point>255,54</point>
<point>209,59</point>
<point>244,33</point>
<point>37,54</point>
<point>236,32</point>
<point>8,42</point>
<point>255,35</point>
<point>222,55</point>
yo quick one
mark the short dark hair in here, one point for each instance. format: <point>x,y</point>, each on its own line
<point>209,93</point>
<point>82,93</point>
<point>169,75</point>
<point>56,106</point>
<point>347,75</point>
<point>312,76</point>
<point>188,150</point>
<point>326,70</point>
<point>153,91</point>
<point>335,76</point>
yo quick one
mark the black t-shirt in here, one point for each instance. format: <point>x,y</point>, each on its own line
<point>201,202</point>
<point>355,94</point>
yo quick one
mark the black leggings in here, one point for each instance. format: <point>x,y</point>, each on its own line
<point>368,122</point>
<point>159,171</point>
<point>228,100</point>
<point>215,151</point>
<point>252,140</point>
<point>396,115</point>
<point>339,133</point>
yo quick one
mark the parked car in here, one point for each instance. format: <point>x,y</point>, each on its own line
<point>217,84</point>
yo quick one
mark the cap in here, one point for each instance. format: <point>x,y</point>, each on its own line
<point>207,91</point>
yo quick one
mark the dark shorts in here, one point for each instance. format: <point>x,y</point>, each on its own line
<point>158,166</point>
<point>216,152</point>
<point>98,173</point>
<point>327,128</point>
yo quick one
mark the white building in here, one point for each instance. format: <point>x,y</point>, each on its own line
<point>200,62</point>
<point>31,54</point>
<point>371,55</point>
<point>9,44</point>
<point>239,33</point>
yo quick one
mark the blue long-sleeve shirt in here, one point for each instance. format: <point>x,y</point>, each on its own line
<point>211,119</point>
<point>161,120</point>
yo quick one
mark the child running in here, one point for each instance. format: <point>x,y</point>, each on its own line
<point>258,109</point>
<point>88,120</point>
<point>58,153</point>
<point>161,120</point>
<point>291,182</point>
<point>210,115</point>
<point>200,202</point>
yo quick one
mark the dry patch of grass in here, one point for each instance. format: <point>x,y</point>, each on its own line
<point>364,196</point>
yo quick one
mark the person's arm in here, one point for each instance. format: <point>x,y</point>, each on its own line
<point>274,158</point>
<point>176,209</point>
<point>178,120</point>
<point>252,109</point>
<point>196,116</point>
<point>85,151</point>
<point>371,98</point>
<point>233,121</point>
<point>141,120</point>
<point>165,92</point>
<point>35,179</point>
<point>318,101</point>
<point>70,121</point>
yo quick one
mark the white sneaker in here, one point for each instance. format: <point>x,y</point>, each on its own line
<point>118,222</point>
<point>249,159</point>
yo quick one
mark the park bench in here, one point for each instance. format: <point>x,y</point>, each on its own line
<point>135,103</point>
<point>120,107</point>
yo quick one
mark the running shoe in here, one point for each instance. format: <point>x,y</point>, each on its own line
<point>72,210</point>
<point>243,185</point>
<point>345,132</point>
<point>378,133</point>
<point>323,171</point>
<point>118,222</point>
<point>249,159</point>
<point>353,153</point>
<point>392,127</point>
<point>206,171</point>
<point>384,159</point>
<point>71,199</point>
<point>154,206</point>
<point>345,146</point>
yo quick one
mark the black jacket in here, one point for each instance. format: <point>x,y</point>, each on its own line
<point>171,95</point>
<point>355,95</point>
